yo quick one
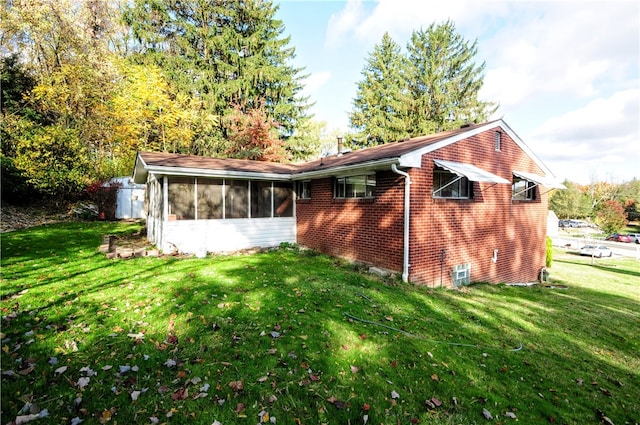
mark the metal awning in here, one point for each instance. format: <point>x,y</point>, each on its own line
<point>471,172</point>
<point>541,180</point>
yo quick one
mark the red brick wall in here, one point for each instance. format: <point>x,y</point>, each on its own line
<point>468,230</point>
<point>368,230</point>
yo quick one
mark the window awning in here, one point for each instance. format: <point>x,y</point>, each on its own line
<point>541,180</point>
<point>471,172</point>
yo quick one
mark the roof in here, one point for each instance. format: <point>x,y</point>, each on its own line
<point>392,150</point>
<point>178,164</point>
<point>404,153</point>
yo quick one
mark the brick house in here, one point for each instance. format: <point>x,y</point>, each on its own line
<point>463,205</point>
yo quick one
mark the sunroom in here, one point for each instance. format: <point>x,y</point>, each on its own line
<point>200,205</point>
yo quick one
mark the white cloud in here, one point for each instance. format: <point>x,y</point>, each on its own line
<point>315,81</point>
<point>341,24</point>
<point>566,48</point>
<point>567,72</point>
<point>602,135</point>
<point>368,21</point>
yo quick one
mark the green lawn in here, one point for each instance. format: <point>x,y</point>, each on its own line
<point>299,338</point>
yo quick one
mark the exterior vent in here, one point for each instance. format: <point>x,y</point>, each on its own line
<point>461,275</point>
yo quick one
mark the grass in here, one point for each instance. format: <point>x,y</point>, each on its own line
<point>295,337</point>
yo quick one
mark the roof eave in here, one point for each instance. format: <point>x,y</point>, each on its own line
<point>379,164</point>
<point>213,173</point>
<point>140,170</point>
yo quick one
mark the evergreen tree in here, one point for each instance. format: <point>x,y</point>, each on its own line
<point>444,81</point>
<point>223,53</point>
<point>380,108</point>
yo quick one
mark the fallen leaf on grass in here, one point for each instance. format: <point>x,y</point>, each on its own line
<point>106,415</point>
<point>487,414</point>
<point>394,395</point>
<point>180,394</point>
<point>23,419</point>
<point>433,403</point>
<point>263,417</point>
<point>83,382</point>
<point>236,385</point>
<point>88,371</point>
<point>60,370</point>
<point>26,371</point>
<point>137,336</point>
<point>510,415</point>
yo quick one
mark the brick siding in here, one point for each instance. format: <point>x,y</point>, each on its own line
<point>371,230</point>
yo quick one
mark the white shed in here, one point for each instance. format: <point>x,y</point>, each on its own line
<point>130,200</point>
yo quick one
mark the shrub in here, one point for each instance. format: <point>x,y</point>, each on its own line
<point>549,259</point>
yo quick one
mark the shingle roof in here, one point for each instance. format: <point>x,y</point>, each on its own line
<point>390,152</point>
<point>161,159</point>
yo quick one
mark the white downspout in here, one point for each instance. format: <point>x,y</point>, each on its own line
<point>407,198</point>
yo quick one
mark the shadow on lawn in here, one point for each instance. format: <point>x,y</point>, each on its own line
<point>302,303</point>
<point>276,321</point>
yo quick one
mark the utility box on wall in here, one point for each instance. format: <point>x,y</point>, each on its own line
<point>130,199</point>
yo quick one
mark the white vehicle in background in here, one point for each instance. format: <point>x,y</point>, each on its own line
<point>598,251</point>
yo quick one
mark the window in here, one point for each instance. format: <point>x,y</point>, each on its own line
<point>282,199</point>
<point>181,198</point>
<point>498,140</point>
<point>260,199</point>
<point>236,199</point>
<point>303,189</point>
<point>523,190</point>
<point>461,274</point>
<point>213,198</point>
<point>209,198</point>
<point>450,185</point>
<point>359,186</point>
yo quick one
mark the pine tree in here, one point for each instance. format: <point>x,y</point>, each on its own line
<point>444,80</point>
<point>381,105</point>
<point>223,53</point>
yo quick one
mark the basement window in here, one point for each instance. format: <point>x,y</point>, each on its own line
<point>461,274</point>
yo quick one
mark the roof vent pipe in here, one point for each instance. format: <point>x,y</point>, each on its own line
<point>407,198</point>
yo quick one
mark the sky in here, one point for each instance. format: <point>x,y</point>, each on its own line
<point>566,74</point>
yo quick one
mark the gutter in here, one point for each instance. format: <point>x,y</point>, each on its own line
<point>407,198</point>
